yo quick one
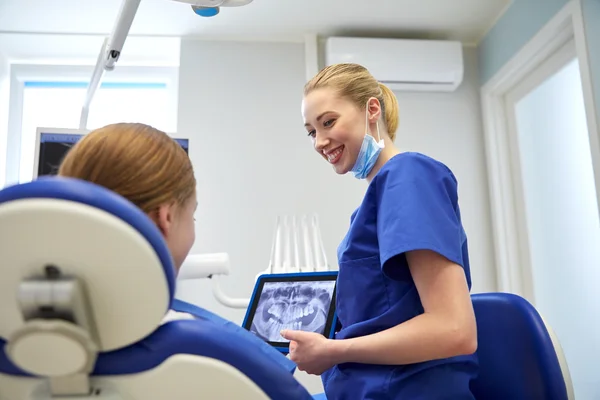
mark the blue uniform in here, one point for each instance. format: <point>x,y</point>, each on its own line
<point>411,204</point>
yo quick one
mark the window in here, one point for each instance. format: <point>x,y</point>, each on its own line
<point>54,100</point>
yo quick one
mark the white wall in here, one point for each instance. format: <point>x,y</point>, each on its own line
<point>4,101</point>
<point>562,217</point>
<point>239,103</point>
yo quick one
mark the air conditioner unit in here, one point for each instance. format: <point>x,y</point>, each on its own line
<point>402,64</point>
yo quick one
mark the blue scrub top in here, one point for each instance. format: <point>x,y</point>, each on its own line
<point>411,204</point>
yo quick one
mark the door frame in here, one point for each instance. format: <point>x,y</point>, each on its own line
<point>550,66</point>
<point>510,239</point>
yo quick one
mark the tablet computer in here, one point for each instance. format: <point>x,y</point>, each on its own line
<point>299,301</point>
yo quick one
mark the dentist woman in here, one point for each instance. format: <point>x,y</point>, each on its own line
<point>408,327</point>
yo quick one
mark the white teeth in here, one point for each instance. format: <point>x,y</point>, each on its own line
<point>334,155</point>
<point>283,318</point>
<point>275,310</point>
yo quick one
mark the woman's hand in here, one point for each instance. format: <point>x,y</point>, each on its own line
<point>310,351</point>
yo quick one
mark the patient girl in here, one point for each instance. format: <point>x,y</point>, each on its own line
<point>149,169</point>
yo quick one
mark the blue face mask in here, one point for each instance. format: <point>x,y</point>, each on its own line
<point>369,152</point>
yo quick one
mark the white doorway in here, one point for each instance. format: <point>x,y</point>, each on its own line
<point>557,210</point>
<point>544,190</point>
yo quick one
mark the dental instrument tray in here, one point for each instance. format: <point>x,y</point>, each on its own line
<point>295,301</point>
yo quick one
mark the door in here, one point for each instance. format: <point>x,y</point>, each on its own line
<point>559,230</point>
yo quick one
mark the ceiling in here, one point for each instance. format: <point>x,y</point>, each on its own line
<point>281,20</point>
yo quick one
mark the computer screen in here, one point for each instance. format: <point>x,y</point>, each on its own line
<point>53,145</point>
<point>292,301</point>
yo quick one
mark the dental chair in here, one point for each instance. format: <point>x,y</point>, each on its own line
<point>520,358</point>
<point>85,282</point>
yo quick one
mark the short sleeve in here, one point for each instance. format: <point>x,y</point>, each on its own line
<point>417,210</point>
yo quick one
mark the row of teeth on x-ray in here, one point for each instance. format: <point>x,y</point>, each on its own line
<point>275,327</point>
<point>291,313</point>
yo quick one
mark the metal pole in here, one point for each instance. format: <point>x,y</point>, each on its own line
<point>93,86</point>
<point>109,53</point>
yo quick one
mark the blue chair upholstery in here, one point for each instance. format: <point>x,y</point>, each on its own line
<point>267,350</point>
<point>519,357</point>
<point>137,354</point>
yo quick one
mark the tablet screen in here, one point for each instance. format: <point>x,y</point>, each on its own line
<point>304,305</point>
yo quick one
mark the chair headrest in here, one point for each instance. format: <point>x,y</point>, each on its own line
<point>88,232</point>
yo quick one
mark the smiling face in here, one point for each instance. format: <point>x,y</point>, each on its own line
<point>337,126</point>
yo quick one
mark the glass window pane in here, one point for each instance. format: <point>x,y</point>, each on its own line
<point>49,108</point>
<point>58,105</point>
<point>147,103</point>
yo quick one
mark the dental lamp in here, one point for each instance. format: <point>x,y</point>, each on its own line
<point>210,8</point>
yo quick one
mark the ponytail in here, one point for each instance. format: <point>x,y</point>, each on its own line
<point>390,106</point>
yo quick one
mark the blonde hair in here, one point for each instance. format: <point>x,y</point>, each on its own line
<point>137,161</point>
<point>355,82</point>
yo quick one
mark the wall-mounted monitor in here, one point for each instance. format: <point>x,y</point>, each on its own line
<point>52,145</point>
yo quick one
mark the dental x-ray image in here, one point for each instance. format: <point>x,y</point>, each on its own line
<point>292,305</point>
<point>51,156</point>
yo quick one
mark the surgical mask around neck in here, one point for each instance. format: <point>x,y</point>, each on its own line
<point>369,152</point>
